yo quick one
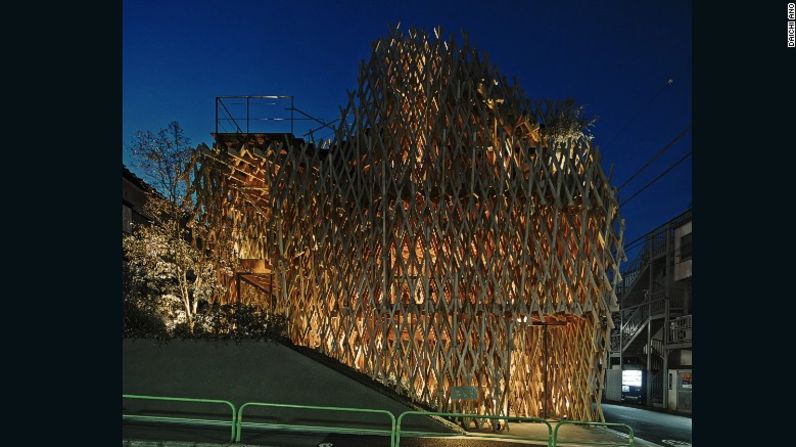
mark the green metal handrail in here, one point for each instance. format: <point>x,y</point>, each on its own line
<point>236,423</point>
<point>549,440</point>
<point>182,420</point>
<point>316,428</point>
<point>631,441</point>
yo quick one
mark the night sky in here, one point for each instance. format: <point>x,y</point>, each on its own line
<point>613,57</point>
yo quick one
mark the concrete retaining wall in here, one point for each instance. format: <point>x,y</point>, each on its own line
<point>249,371</point>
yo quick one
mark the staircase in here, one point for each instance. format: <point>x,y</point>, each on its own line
<point>639,305</point>
<point>632,272</point>
<point>652,296</point>
<point>634,336</point>
<point>643,315</point>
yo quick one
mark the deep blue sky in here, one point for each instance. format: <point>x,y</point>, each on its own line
<point>614,57</point>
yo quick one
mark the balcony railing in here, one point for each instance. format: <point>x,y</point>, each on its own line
<point>635,317</point>
<point>269,114</point>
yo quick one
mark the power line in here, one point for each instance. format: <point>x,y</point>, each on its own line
<point>630,245</point>
<point>656,156</point>
<point>643,237</point>
<point>661,175</point>
<point>636,241</point>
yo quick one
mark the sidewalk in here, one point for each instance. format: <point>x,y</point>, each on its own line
<point>572,435</point>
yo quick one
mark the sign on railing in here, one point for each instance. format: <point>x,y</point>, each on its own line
<point>464,393</point>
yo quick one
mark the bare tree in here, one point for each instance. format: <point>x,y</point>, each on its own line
<point>161,255</point>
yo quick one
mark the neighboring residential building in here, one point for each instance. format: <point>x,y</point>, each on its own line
<point>134,196</point>
<point>652,333</point>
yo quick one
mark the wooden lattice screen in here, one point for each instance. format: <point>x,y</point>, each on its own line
<point>454,233</point>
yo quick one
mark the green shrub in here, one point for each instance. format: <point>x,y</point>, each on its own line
<point>213,322</point>
<point>141,321</point>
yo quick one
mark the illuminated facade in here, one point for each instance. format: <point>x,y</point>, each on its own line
<point>453,233</point>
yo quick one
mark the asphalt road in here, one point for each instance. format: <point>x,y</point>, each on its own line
<point>179,435</point>
<point>664,429</point>
<point>652,426</point>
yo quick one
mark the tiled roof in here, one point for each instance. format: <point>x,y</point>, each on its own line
<point>136,180</point>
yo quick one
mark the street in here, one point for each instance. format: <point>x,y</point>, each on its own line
<point>150,435</point>
<point>651,425</point>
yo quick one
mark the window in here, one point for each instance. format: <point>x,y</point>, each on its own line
<point>685,247</point>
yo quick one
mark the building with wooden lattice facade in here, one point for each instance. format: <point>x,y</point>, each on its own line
<point>452,233</point>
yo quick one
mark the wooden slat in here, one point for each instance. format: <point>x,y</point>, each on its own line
<point>450,222</point>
